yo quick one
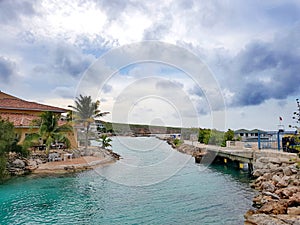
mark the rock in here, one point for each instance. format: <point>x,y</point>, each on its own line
<point>282,183</point>
<point>293,210</point>
<point>289,219</point>
<point>268,176</point>
<point>273,207</point>
<point>38,161</point>
<point>257,173</point>
<point>16,171</point>
<point>275,170</point>
<point>99,154</point>
<point>263,219</point>
<point>287,171</point>
<point>268,186</point>
<point>263,160</point>
<point>294,169</point>
<point>271,194</point>
<point>249,213</point>
<point>32,165</point>
<point>275,160</point>
<point>276,179</point>
<point>257,200</point>
<point>18,163</point>
<point>259,165</point>
<point>294,200</point>
<point>272,166</point>
<point>287,192</point>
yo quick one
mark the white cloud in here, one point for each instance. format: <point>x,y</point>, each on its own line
<point>47,45</point>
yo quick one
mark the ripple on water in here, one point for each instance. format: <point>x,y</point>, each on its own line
<point>215,195</point>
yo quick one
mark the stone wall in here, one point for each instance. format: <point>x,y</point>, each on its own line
<point>278,182</point>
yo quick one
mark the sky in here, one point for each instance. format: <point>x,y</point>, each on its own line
<point>193,63</point>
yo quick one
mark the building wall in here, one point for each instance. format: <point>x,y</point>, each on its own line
<point>22,131</point>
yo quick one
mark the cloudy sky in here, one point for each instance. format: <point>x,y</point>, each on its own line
<point>250,51</point>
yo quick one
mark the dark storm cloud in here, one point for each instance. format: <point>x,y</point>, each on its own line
<point>11,10</point>
<point>266,70</point>
<point>7,69</point>
<point>71,60</point>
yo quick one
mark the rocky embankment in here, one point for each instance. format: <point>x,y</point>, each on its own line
<point>187,149</point>
<point>278,183</point>
<point>17,165</point>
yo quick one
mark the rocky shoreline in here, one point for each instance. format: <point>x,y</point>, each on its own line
<point>38,162</point>
<point>277,179</point>
<point>278,183</point>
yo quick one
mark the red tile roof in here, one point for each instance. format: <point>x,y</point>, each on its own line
<point>23,119</point>
<point>19,104</point>
<point>19,119</point>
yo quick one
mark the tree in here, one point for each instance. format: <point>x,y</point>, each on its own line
<point>296,117</point>
<point>7,141</point>
<point>85,111</point>
<point>105,140</point>
<point>216,137</point>
<point>204,135</point>
<point>49,131</point>
<point>228,136</point>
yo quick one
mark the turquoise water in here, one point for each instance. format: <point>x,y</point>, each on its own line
<point>192,194</point>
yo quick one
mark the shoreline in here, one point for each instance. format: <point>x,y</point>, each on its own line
<point>277,180</point>
<point>72,166</point>
<point>82,160</point>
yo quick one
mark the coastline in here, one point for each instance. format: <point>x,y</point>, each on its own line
<point>277,180</point>
<point>72,166</point>
<point>81,160</point>
<point>278,183</point>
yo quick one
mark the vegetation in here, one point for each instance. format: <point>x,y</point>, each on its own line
<point>296,116</point>
<point>49,132</point>
<point>228,136</point>
<point>204,135</point>
<point>177,142</point>
<point>215,137</point>
<point>296,137</point>
<point>8,143</point>
<point>85,111</point>
<point>105,140</point>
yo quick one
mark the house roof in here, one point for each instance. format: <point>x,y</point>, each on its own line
<point>241,131</point>
<point>14,103</point>
<point>19,119</point>
<point>257,131</point>
<point>23,119</point>
<point>249,131</point>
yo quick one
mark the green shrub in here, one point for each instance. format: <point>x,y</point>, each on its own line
<point>177,142</point>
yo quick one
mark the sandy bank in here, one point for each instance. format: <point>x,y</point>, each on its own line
<point>73,165</point>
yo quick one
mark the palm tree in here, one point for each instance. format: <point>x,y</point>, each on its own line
<point>105,140</point>
<point>85,111</point>
<point>50,131</point>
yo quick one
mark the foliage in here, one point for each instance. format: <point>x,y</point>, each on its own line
<point>3,171</point>
<point>49,132</point>
<point>8,143</point>
<point>228,136</point>
<point>204,135</point>
<point>105,140</point>
<point>215,137</point>
<point>85,111</point>
<point>177,142</point>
